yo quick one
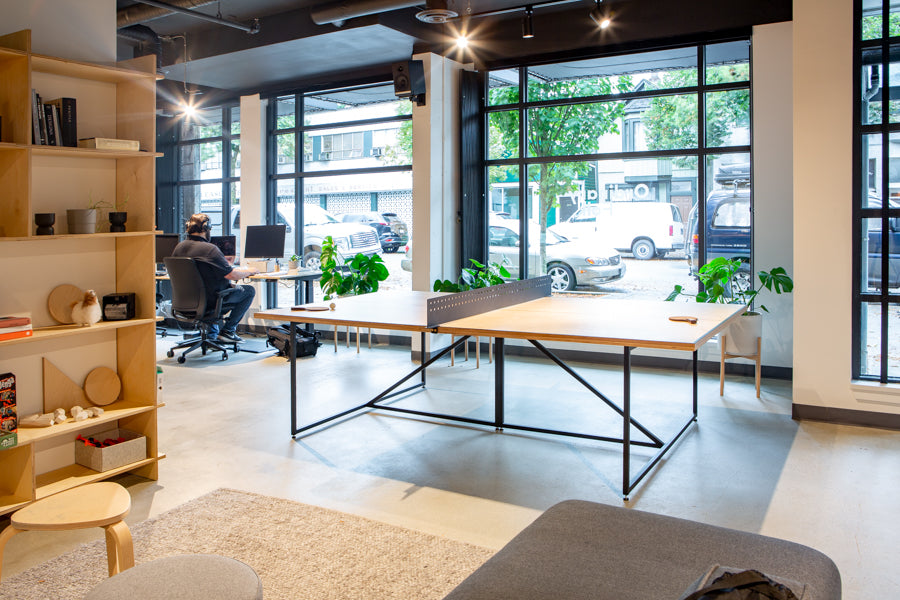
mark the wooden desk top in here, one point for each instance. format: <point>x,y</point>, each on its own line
<point>614,322</point>
<point>398,311</point>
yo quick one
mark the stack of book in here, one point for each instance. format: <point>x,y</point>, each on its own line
<point>15,326</point>
<point>54,121</point>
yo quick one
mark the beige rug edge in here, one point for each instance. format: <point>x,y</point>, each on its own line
<point>298,550</point>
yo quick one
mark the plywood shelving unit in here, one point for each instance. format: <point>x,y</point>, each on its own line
<point>116,102</point>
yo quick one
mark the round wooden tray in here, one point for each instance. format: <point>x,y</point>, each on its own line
<point>102,386</point>
<point>61,300</point>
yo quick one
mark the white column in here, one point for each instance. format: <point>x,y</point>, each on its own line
<point>436,175</point>
<point>253,175</point>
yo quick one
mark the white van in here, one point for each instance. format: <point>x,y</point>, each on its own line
<point>646,229</point>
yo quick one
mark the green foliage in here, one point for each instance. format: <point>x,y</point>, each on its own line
<point>719,286</point>
<point>294,258</point>
<point>340,278</point>
<point>872,26</point>
<point>472,278</point>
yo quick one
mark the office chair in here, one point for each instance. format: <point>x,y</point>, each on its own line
<point>189,306</point>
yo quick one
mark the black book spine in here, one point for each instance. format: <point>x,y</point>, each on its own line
<point>42,120</point>
<point>48,119</point>
<point>67,122</point>
<point>35,119</point>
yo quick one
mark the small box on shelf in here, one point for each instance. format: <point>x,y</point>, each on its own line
<point>131,450</point>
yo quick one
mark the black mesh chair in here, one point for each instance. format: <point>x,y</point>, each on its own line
<point>189,305</point>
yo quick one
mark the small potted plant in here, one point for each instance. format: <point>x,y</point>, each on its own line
<point>84,220</point>
<point>718,279</point>
<point>293,262</point>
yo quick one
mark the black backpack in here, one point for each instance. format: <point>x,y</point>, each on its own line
<point>306,342</point>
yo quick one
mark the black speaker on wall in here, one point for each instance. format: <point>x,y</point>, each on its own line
<point>409,80</point>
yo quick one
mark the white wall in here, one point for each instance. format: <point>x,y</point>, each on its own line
<point>253,176</point>
<point>823,163</point>
<point>772,181</point>
<point>75,29</point>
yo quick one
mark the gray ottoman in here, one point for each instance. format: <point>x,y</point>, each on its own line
<point>584,550</point>
<point>186,577</point>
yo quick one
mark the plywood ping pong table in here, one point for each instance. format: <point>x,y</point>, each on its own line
<point>525,310</point>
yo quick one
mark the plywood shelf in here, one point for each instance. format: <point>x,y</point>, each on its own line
<point>90,71</point>
<point>57,331</point>
<point>74,236</point>
<point>74,475</point>
<point>118,101</point>
<point>112,412</point>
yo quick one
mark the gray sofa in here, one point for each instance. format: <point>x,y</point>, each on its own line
<point>584,550</point>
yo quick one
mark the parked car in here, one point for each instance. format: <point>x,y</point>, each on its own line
<point>728,232</point>
<point>646,229</point>
<point>392,231</point>
<point>350,238</point>
<point>569,263</point>
<point>875,245</point>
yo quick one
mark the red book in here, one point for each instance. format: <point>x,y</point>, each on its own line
<point>16,334</point>
<point>14,321</point>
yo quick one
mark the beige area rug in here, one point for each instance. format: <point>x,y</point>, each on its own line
<point>299,551</point>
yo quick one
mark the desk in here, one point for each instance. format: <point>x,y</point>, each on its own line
<point>610,322</point>
<point>301,295</point>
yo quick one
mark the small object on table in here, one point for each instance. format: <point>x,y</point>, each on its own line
<point>685,319</point>
<point>332,306</point>
<point>311,308</point>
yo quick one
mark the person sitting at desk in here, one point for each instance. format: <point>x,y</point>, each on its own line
<point>219,277</point>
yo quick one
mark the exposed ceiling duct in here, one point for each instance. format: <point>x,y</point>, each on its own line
<point>141,13</point>
<point>338,12</point>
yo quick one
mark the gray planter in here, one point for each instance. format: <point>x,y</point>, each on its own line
<point>82,220</point>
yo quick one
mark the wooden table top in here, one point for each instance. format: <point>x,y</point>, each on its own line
<point>394,310</point>
<point>90,505</point>
<point>614,322</point>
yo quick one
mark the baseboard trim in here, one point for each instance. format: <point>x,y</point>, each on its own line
<point>846,416</point>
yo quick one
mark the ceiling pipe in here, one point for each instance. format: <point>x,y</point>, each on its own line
<point>141,13</point>
<point>253,28</point>
<point>148,39</point>
<point>338,12</point>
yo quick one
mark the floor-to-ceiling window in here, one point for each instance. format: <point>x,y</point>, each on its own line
<point>341,165</point>
<point>208,152</point>
<point>876,197</point>
<point>600,164</point>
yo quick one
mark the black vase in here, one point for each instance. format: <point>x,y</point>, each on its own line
<point>117,221</point>
<point>44,222</point>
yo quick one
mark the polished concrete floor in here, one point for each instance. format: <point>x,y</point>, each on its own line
<point>746,464</point>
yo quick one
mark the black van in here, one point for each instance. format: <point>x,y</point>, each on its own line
<point>727,222</point>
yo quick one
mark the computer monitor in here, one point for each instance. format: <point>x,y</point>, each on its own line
<point>225,243</point>
<point>265,241</point>
<point>165,244</point>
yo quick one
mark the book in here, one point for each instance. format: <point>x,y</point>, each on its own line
<point>9,425</point>
<point>14,321</point>
<point>48,121</point>
<point>35,118</point>
<point>65,108</point>
<point>14,335</point>
<point>109,144</point>
<point>56,124</point>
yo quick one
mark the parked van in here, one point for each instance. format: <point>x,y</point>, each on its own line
<point>646,229</point>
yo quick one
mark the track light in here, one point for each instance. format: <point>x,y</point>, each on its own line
<point>462,42</point>
<point>527,24</point>
<point>599,17</point>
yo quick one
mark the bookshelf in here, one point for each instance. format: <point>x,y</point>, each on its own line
<point>112,101</point>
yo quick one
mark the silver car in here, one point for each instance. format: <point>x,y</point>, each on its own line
<point>568,263</point>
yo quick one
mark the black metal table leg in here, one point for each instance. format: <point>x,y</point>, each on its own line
<point>696,390</point>
<point>424,360</point>
<point>293,353</point>
<point>498,384</point>
<point>626,427</point>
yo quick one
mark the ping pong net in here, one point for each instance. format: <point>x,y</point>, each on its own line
<point>451,307</point>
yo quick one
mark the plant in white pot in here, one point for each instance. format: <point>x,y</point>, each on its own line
<point>718,279</point>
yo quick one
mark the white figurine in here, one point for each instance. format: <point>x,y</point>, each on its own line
<point>87,311</point>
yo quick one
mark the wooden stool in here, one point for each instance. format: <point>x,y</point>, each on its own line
<point>102,504</point>
<point>754,357</point>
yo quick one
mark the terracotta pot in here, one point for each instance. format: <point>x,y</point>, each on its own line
<point>742,335</point>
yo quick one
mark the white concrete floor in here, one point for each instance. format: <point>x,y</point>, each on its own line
<point>746,464</point>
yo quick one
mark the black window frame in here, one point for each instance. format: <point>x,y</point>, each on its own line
<point>861,179</point>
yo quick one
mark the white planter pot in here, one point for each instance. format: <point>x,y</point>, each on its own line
<point>82,220</point>
<point>741,336</point>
